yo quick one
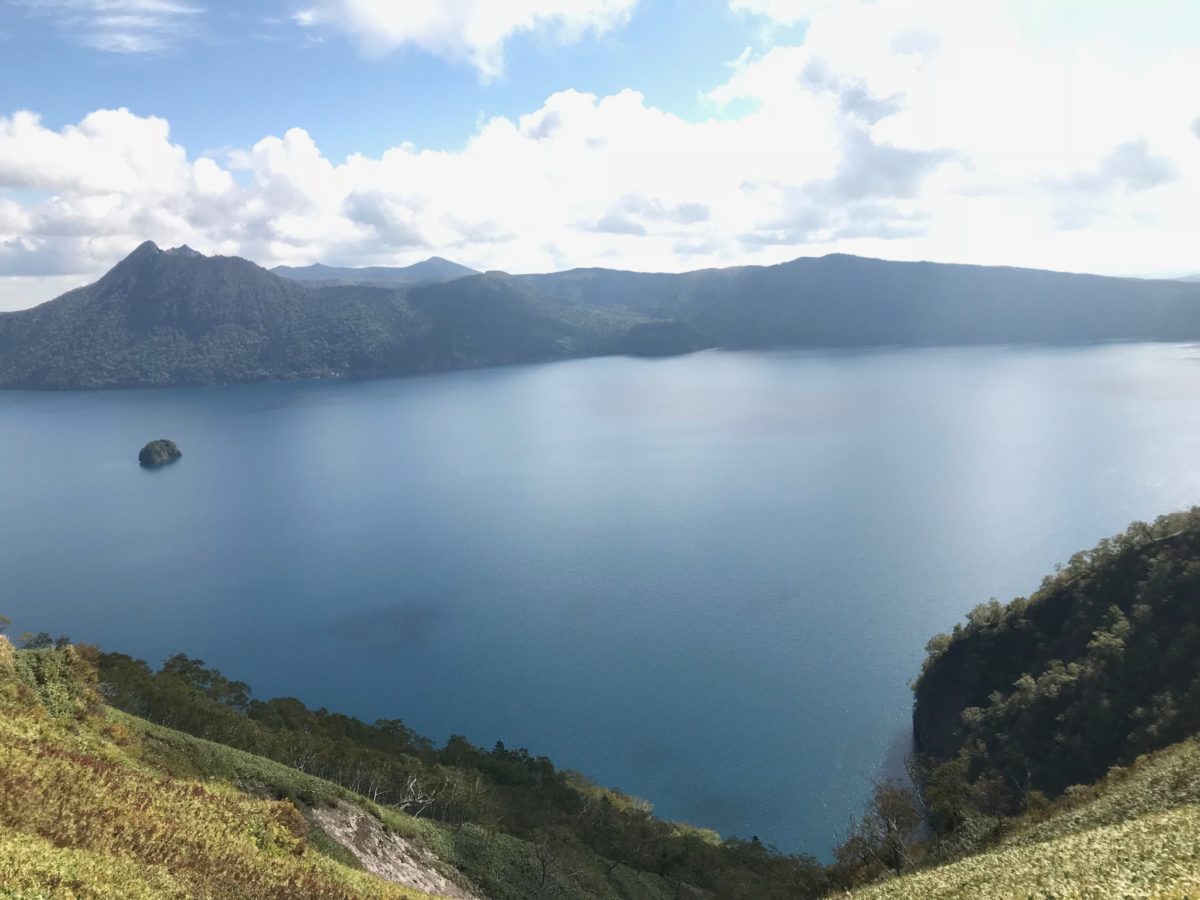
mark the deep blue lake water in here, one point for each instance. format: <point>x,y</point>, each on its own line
<point>704,580</point>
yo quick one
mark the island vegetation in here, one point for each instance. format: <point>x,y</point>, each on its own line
<point>159,453</point>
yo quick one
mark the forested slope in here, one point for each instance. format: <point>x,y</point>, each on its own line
<point>1135,835</point>
<point>457,821</point>
<point>84,813</point>
<point>1023,707</point>
<point>176,317</point>
<point>1101,664</point>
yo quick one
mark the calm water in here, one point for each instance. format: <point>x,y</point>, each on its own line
<point>704,580</point>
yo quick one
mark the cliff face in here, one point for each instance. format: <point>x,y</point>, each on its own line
<point>950,685</point>
<point>981,661</point>
<point>1101,664</point>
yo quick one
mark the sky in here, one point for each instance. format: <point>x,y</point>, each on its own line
<point>657,135</point>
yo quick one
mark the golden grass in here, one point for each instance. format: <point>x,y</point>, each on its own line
<point>6,657</point>
<point>1136,835</point>
<point>80,817</point>
<point>32,867</point>
<point>1154,856</point>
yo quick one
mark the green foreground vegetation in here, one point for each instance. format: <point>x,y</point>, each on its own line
<point>83,814</point>
<point>1093,680</point>
<point>1136,834</point>
<point>120,780</point>
<point>194,796</point>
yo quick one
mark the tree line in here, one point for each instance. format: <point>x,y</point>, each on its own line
<point>508,790</point>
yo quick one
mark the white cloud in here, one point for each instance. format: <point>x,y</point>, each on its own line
<point>470,30</point>
<point>121,26</point>
<point>899,129</point>
<point>787,12</point>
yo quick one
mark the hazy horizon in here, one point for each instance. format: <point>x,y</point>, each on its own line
<point>16,303</point>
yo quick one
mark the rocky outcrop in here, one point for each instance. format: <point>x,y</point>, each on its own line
<point>159,453</point>
<point>383,854</point>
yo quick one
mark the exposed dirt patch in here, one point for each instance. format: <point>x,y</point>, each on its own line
<point>387,856</point>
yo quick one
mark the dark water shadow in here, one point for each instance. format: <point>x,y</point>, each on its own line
<point>396,627</point>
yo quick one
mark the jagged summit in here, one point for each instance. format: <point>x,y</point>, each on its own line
<point>144,250</point>
<point>148,251</point>
<point>178,274</point>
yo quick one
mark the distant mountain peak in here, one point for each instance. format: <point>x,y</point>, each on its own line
<point>148,250</point>
<point>142,256</point>
<point>143,250</point>
<point>149,256</point>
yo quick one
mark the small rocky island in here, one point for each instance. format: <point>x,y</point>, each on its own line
<point>158,453</point>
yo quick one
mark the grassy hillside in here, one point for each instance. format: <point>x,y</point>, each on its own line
<point>593,839</point>
<point>1134,835</point>
<point>498,865</point>
<point>96,799</point>
<point>97,803</point>
<point>82,813</point>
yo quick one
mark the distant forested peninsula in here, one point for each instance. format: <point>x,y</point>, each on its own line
<point>176,317</point>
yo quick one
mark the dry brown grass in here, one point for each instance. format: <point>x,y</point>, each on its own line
<point>80,817</point>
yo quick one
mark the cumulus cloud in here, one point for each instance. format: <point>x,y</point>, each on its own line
<point>896,128</point>
<point>1087,195</point>
<point>633,212</point>
<point>1129,167</point>
<point>785,11</point>
<point>471,30</point>
<point>120,26</point>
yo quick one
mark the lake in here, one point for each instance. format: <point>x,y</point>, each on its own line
<point>704,580</point>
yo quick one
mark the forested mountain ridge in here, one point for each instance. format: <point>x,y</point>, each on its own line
<point>841,300</point>
<point>434,270</point>
<point>179,318</point>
